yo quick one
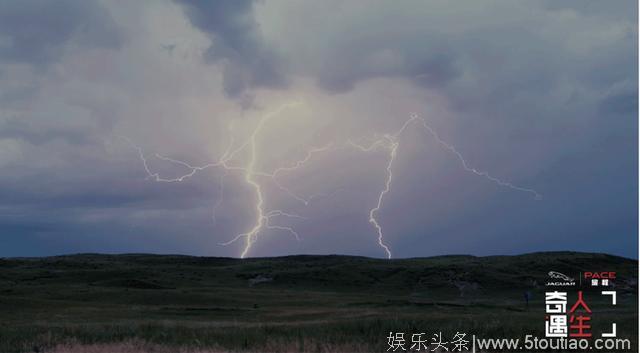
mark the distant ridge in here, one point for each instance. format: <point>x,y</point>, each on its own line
<point>328,256</point>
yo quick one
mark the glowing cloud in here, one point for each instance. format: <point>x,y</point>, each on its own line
<point>263,217</point>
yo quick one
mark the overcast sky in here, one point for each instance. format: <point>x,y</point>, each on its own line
<point>542,95</point>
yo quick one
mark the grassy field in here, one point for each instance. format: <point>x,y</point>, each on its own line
<point>165,303</point>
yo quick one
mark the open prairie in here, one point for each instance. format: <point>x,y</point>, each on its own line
<point>167,303</point>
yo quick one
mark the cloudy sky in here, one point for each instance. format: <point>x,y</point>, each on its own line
<point>542,95</point>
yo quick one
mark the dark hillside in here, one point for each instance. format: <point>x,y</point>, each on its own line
<point>313,301</point>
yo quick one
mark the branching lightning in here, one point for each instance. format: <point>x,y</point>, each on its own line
<point>264,218</point>
<point>390,142</point>
<point>464,163</point>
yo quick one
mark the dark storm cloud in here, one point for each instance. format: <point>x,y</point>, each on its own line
<point>98,188</point>
<point>550,88</point>
<point>591,8</point>
<point>541,94</point>
<point>35,31</point>
<point>375,54</point>
<point>90,202</point>
<point>499,59</point>
<point>623,102</point>
<point>31,134</point>
<point>247,60</point>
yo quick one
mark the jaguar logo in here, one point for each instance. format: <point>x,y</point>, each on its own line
<point>560,279</point>
<point>558,275</point>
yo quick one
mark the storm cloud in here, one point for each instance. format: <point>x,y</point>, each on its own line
<point>37,32</point>
<point>541,94</point>
<point>247,60</point>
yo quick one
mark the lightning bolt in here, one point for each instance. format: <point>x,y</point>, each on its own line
<point>387,142</point>
<point>296,165</point>
<point>392,146</point>
<point>390,142</point>
<point>465,164</point>
<point>264,218</point>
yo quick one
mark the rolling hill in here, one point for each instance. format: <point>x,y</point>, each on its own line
<point>292,303</point>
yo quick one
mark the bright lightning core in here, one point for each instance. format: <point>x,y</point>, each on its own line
<point>229,162</point>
